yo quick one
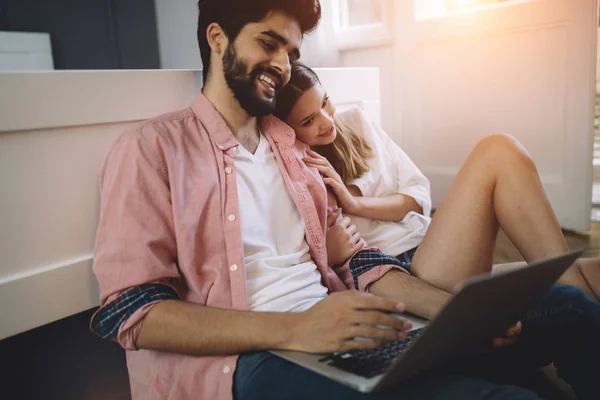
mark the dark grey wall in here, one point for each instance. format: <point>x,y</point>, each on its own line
<point>90,34</point>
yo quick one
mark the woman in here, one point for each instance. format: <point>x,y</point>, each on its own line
<point>388,197</point>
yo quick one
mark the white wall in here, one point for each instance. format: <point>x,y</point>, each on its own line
<point>381,57</point>
<point>177,24</point>
<point>52,145</point>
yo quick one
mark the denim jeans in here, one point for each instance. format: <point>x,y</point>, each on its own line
<point>563,328</point>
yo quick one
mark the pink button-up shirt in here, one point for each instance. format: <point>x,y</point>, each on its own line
<point>169,214</point>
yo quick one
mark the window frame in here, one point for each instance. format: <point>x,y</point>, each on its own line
<point>369,35</point>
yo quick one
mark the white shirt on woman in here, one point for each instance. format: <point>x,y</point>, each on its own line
<point>391,172</point>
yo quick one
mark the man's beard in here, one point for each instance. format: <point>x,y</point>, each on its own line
<point>243,84</point>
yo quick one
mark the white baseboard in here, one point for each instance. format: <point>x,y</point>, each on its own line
<point>46,295</point>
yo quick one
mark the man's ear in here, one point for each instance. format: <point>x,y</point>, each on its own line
<point>217,40</point>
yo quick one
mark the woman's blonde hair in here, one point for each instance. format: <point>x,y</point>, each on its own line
<point>349,153</point>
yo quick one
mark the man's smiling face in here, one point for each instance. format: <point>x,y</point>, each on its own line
<point>257,64</point>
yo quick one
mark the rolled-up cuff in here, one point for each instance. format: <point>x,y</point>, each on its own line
<point>373,275</point>
<point>369,265</point>
<point>108,322</point>
<point>130,329</point>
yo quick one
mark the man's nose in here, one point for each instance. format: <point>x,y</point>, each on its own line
<point>281,63</point>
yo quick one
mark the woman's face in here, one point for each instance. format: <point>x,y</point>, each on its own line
<point>312,117</point>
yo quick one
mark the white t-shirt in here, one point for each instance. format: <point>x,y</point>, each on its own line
<point>392,172</point>
<point>280,273</point>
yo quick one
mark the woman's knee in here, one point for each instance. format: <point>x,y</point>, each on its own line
<point>505,150</point>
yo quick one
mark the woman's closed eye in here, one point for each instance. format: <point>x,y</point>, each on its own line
<point>308,122</point>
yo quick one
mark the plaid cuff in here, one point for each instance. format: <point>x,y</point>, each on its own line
<point>366,260</point>
<point>107,321</point>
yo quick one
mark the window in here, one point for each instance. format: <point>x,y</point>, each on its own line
<point>357,13</point>
<point>453,5</point>
<point>426,9</point>
<point>362,22</point>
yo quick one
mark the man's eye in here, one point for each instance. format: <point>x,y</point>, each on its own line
<point>267,45</point>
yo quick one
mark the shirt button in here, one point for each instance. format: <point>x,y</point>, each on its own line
<point>228,170</point>
<point>226,369</point>
<point>232,217</point>
<point>233,268</point>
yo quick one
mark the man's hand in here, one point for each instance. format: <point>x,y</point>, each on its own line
<point>342,239</point>
<point>511,336</point>
<point>333,324</point>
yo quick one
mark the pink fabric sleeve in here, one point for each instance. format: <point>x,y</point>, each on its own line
<point>135,241</point>
<point>372,276</point>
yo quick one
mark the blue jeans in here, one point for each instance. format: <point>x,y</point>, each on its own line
<point>563,328</point>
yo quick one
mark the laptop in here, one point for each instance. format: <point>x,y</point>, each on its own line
<point>483,309</point>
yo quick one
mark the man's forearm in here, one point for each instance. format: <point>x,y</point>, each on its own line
<point>419,297</point>
<point>179,327</point>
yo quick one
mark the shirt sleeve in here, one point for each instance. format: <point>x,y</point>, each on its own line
<point>356,272</point>
<point>411,181</point>
<point>135,242</point>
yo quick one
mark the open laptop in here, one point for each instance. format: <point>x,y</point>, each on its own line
<point>482,310</point>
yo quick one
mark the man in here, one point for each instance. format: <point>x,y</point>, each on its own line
<point>211,241</point>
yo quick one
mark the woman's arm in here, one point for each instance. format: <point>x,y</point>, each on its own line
<point>410,182</point>
<point>411,191</point>
<point>386,208</point>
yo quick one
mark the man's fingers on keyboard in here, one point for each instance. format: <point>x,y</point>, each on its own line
<point>382,319</point>
<point>361,344</point>
<point>370,302</point>
<point>374,333</point>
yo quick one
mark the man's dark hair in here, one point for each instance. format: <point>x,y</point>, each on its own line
<point>233,15</point>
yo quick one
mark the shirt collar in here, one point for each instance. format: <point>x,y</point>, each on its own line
<point>221,134</point>
<point>213,122</point>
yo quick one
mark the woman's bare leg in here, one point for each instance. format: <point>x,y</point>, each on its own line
<point>498,186</point>
<point>590,269</point>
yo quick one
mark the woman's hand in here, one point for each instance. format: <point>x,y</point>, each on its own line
<point>347,201</point>
<point>342,240</point>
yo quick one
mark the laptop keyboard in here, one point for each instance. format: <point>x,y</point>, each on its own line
<point>370,363</point>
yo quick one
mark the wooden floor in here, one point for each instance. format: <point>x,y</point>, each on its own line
<point>506,252</point>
